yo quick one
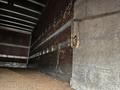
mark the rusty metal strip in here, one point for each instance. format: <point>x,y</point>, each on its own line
<point>15,18</point>
<point>25,15</point>
<point>14,45</point>
<point>12,56</point>
<point>60,45</point>
<point>68,24</point>
<point>13,64</point>
<point>37,3</point>
<point>15,30</point>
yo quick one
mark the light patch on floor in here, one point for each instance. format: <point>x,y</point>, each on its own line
<point>29,80</point>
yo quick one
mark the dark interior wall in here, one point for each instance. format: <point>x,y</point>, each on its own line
<point>56,55</point>
<point>17,51</point>
<point>14,38</point>
<point>65,63</point>
<point>14,46</point>
<point>48,61</point>
<point>51,39</point>
<point>57,13</point>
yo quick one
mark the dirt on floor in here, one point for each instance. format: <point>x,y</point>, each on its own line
<point>29,80</point>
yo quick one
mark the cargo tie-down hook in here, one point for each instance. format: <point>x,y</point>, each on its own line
<point>75,36</point>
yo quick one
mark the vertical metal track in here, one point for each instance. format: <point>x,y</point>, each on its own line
<point>58,58</point>
<point>29,49</point>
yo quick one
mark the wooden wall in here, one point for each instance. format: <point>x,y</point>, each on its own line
<point>14,47</point>
<point>51,40</point>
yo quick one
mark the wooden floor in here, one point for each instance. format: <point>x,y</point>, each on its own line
<point>29,80</point>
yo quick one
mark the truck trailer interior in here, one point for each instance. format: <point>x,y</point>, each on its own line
<point>59,44</point>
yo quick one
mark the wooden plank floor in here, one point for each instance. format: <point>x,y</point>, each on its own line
<point>29,80</point>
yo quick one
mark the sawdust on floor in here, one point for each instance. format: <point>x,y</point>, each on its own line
<point>29,80</point>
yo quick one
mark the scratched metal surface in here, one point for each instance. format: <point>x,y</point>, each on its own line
<point>96,63</point>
